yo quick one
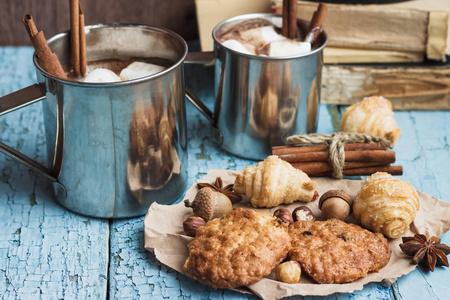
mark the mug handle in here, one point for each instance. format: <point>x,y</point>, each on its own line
<point>22,98</point>
<point>206,57</point>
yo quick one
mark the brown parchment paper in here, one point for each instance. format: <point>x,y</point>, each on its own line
<point>164,236</point>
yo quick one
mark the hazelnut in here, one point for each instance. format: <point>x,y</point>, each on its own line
<point>335,204</point>
<point>284,214</point>
<point>209,204</point>
<point>303,213</point>
<point>191,224</point>
<point>289,272</point>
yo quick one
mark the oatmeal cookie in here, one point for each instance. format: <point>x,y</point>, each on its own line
<point>237,249</point>
<point>333,251</point>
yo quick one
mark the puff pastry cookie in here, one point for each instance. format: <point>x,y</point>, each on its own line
<point>372,115</point>
<point>273,181</point>
<point>386,204</point>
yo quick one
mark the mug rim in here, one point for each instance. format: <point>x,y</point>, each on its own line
<point>118,83</point>
<point>264,16</point>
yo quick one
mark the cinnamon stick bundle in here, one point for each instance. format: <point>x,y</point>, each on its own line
<point>360,159</point>
<point>48,59</point>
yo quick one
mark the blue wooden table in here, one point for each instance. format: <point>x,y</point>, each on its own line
<point>47,252</point>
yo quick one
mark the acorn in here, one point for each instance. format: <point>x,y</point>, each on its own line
<point>335,204</point>
<point>209,204</point>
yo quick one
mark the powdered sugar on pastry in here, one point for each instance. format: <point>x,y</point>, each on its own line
<point>386,204</point>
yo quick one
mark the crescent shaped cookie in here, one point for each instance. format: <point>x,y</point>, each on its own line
<point>386,204</point>
<point>273,181</point>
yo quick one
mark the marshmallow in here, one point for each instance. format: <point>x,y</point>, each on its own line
<point>261,36</point>
<point>288,48</point>
<point>101,75</point>
<point>236,46</point>
<point>139,69</point>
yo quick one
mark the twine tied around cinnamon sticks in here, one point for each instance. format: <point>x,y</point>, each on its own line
<point>336,142</point>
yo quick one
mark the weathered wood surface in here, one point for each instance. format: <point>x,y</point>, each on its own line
<point>47,252</point>
<point>408,87</point>
<point>52,16</point>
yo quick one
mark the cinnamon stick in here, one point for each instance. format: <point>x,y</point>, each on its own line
<point>285,25</point>
<point>280,150</point>
<point>319,167</point>
<point>48,59</point>
<point>380,156</point>
<point>393,170</point>
<point>75,36</point>
<point>83,56</point>
<point>30,26</point>
<point>292,34</point>
<point>315,26</point>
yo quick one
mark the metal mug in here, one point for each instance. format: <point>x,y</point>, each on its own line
<point>114,148</point>
<point>261,100</point>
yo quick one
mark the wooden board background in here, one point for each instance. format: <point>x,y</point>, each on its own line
<point>52,16</point>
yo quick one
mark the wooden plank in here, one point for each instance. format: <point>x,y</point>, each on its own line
<point>333,55</point>
<point>424,152</point>
<point>45,250</point>
<point>408,87</point>
<point>52,16</point>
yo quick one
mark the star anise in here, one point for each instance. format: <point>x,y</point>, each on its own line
<point>431,251</point>
<point>218,186</point>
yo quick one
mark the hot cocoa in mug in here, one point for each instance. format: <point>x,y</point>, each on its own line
<point>113,146</point>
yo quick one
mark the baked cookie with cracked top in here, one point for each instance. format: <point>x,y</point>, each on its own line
<point>237,249</point>
<point>333,251</point>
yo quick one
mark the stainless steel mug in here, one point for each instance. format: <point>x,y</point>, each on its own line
<point>114,148</point>
<point>261,100</point>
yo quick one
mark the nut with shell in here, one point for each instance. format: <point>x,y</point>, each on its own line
<point>191,224</point>
<point>335,204</point>
<point>209,204</point>
<point>289,272</point>
<point>284,215</point>
<point>303,213</point>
